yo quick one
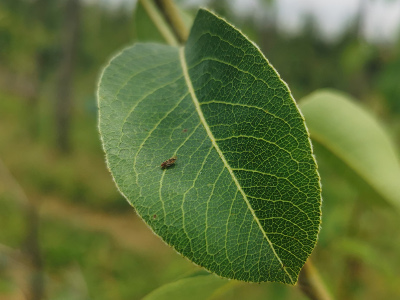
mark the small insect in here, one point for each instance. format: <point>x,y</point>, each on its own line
<point>169,162</point>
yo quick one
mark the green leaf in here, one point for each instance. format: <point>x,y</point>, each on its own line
<point>243,198</point>
<point>194,288</point>
<point>352,134</point>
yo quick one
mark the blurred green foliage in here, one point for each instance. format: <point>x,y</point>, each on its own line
<point>357,252</point>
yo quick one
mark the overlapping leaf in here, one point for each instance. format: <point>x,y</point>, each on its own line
<point>354,137</point>
<point>243,198</point>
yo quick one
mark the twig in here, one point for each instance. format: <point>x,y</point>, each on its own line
<point>310,283</point>
<point>172,15</point>
<point>159,22</point>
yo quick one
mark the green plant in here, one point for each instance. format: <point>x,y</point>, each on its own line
<point>243,197</point>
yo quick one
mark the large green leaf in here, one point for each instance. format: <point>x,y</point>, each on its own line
<point>354,137</point>
<point>194,288</point>
<point>243,198</point>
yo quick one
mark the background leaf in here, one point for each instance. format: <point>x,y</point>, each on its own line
<point>203,287</point>
<point>243,198</point>
<point>353,136</point>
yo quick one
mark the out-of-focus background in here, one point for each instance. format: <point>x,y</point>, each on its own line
<point>66,232</point>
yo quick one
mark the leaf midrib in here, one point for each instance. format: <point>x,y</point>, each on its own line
<point>221,155</point>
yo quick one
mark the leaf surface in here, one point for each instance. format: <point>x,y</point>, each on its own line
<point>353,135</point>
<point>243,197</point>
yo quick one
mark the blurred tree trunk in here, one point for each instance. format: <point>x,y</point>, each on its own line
<point>39,14</point>
<point>31,249</point>
<point>27,264</point>
<point>63,103</point>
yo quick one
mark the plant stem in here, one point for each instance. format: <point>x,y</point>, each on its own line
<point>159,21</point>
<point>172,15</point>
<point>310,283</point>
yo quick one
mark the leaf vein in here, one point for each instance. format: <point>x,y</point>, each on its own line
<point>244,105</point>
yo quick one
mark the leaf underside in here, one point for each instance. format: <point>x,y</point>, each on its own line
<point>243,197</point>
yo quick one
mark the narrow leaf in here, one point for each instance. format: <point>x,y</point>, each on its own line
<point>242,198</point>
<point>353,135</point>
